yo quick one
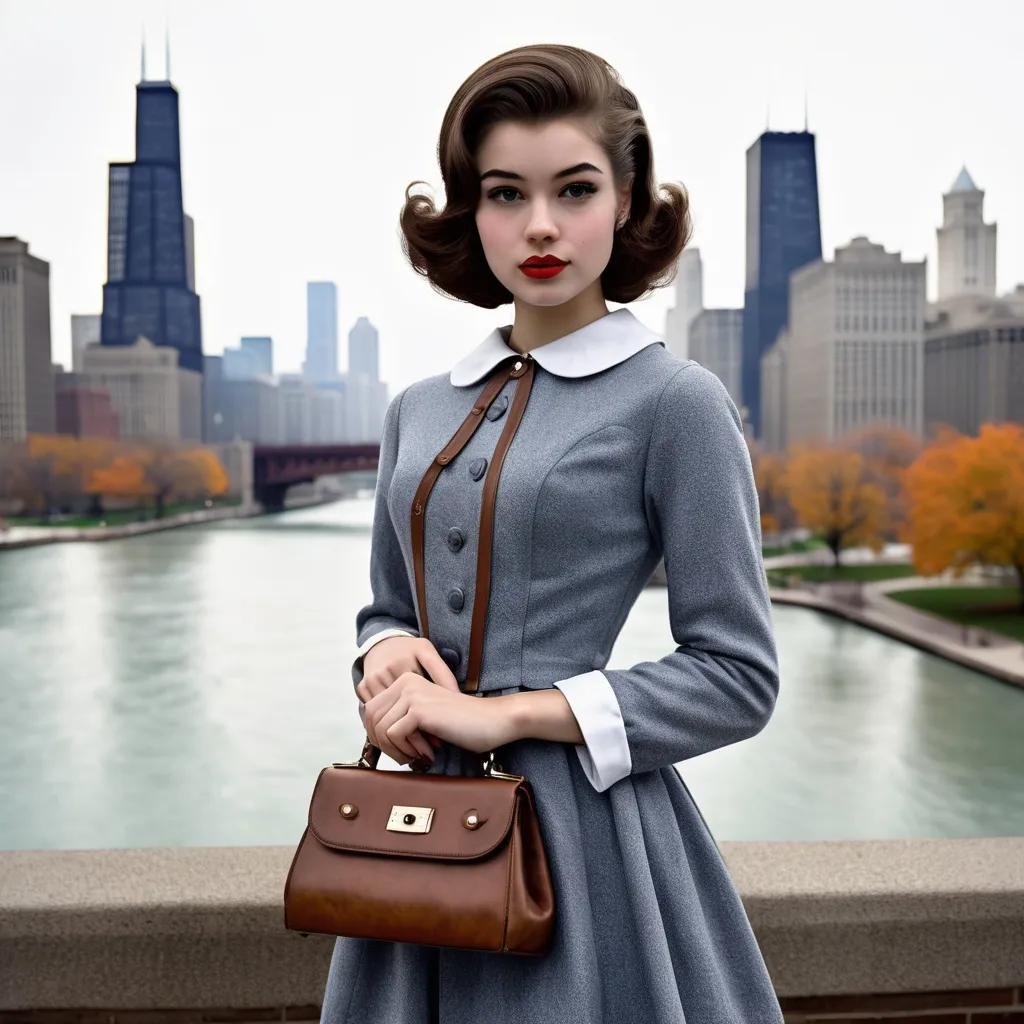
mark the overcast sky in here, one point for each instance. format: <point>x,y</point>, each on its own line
<point>302,123</point>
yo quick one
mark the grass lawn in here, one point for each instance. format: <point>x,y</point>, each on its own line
<point>795,548</point>
<point>995,608</point>
<point>115,517</point>
<point>868,573</point>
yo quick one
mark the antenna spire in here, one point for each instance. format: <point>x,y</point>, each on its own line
<point>143,78</point>
<point>167,50</point>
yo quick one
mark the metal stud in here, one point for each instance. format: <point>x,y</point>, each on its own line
<point>409,819</point>
<point>348,810</point>
<point>472,820</point>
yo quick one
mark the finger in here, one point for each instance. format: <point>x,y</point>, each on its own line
<point>434,665</point>
<point>405,734</point>
<point>370,687</point>
<point>398,737</point>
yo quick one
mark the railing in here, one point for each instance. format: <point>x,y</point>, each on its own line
<point>849,930</point>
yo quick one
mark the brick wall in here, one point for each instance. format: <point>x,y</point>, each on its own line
<point>971,1006</point>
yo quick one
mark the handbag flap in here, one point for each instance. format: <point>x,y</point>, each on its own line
<point>371,795</point>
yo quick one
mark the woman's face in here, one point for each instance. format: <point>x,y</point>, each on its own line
<point>546,191</point>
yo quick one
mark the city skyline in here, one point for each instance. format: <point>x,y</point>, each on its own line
<point>885,157</point>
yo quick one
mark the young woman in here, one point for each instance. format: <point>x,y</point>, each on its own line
<point>611,454</point>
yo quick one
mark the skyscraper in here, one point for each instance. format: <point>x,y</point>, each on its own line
<point>321,332</point>
<point>364,350</point>
<point>967,245</point>
<point>783,234</point>
<point>263,353</point>
<point>150,289</point>
<point>26,371</point>
<point>85,331</point>
<point>689,294</point>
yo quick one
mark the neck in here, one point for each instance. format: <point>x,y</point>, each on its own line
<point>537,325</point>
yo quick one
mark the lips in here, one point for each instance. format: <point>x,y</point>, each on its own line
<point>543,267</point>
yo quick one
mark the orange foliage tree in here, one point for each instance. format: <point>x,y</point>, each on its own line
<point>777,513</point>
<point>51,470</point>
<point>186,474</point>
<point>122,477</point>
<point>833,494</point>
<point>966,502</point>
<point>888,452</point>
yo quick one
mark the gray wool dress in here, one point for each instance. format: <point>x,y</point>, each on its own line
<point>625,454</point>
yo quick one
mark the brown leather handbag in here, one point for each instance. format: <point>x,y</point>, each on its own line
<point>437,860</point>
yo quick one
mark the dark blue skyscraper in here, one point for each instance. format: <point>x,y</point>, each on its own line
<point>150,287</point>
<point>783,234</point>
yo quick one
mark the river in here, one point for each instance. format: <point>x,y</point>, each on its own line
<point>185,688</point>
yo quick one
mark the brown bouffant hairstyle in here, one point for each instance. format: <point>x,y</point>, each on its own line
<point>532,85</point>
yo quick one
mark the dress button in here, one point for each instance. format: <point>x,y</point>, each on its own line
<point>498,407</point>
<point>477,468</point>
<point>450,657</point>
<point>455,539</point>
<point>456,599</point>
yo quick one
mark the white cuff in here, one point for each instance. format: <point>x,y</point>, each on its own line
<point>605,756</point>
<point>357,665</point>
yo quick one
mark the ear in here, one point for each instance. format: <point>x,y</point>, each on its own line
<point>624,197</point>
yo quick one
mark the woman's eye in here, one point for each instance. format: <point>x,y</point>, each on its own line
<point>579,189</point>
<point>505,195</point>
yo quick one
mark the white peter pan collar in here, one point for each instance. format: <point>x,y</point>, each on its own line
<point>596,347</point>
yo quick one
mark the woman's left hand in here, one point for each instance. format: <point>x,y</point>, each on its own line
<point>411,702</point>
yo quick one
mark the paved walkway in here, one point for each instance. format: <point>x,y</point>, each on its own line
<point>978,649</point>
<point>32,536</point>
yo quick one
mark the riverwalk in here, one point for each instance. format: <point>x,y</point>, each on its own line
<point>14,537</point>
<point>869,604</point>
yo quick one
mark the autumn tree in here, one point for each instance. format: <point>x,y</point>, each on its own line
<point>777,513</point>
<point>966,502</point>
<point>122,477</point>
<point>833,494</point>
<point>176,473</point>
<point>888,452</point>
<point>51,472</point>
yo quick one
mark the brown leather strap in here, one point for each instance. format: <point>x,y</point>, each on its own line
<point>483,554</point>
<point>458,441</point>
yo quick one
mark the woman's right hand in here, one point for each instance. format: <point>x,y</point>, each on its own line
<point>385,661</point>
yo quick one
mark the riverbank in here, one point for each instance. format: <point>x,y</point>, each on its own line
<point>15,537</point>
<point>870,606</point>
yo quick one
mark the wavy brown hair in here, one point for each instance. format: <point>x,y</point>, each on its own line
<point>532,85</point>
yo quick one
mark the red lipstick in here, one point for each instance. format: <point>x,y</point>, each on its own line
<point>543,267</point>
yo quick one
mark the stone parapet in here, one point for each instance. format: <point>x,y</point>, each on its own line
<point>884,931</point>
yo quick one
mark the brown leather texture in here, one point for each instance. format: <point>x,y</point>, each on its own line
<point>486,887</point>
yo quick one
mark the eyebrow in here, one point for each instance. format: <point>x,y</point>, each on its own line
<point>567,173</point>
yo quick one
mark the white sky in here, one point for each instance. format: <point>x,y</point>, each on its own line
<point>302,123</point>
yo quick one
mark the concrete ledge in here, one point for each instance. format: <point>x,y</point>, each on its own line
<point>196,928</point>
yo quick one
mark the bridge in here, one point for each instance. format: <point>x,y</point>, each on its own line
<point>278,467</point>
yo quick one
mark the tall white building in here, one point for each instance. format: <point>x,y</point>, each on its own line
<point>966,244</point>
<point>715,340</point>
<point>364,349</point>
<point>85,331</point>
<point>321,362</point>
<point>854,346</point>
<point>154,398</point>
<point>773,395</point>
<point>26,373</point>
<point>689,297</point>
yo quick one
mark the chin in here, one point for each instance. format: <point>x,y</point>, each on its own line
<point>544,294</point>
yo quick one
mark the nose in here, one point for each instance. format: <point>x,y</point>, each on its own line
<point>541,225</point>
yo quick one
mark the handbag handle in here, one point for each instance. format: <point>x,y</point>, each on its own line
<point>370,757</point>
